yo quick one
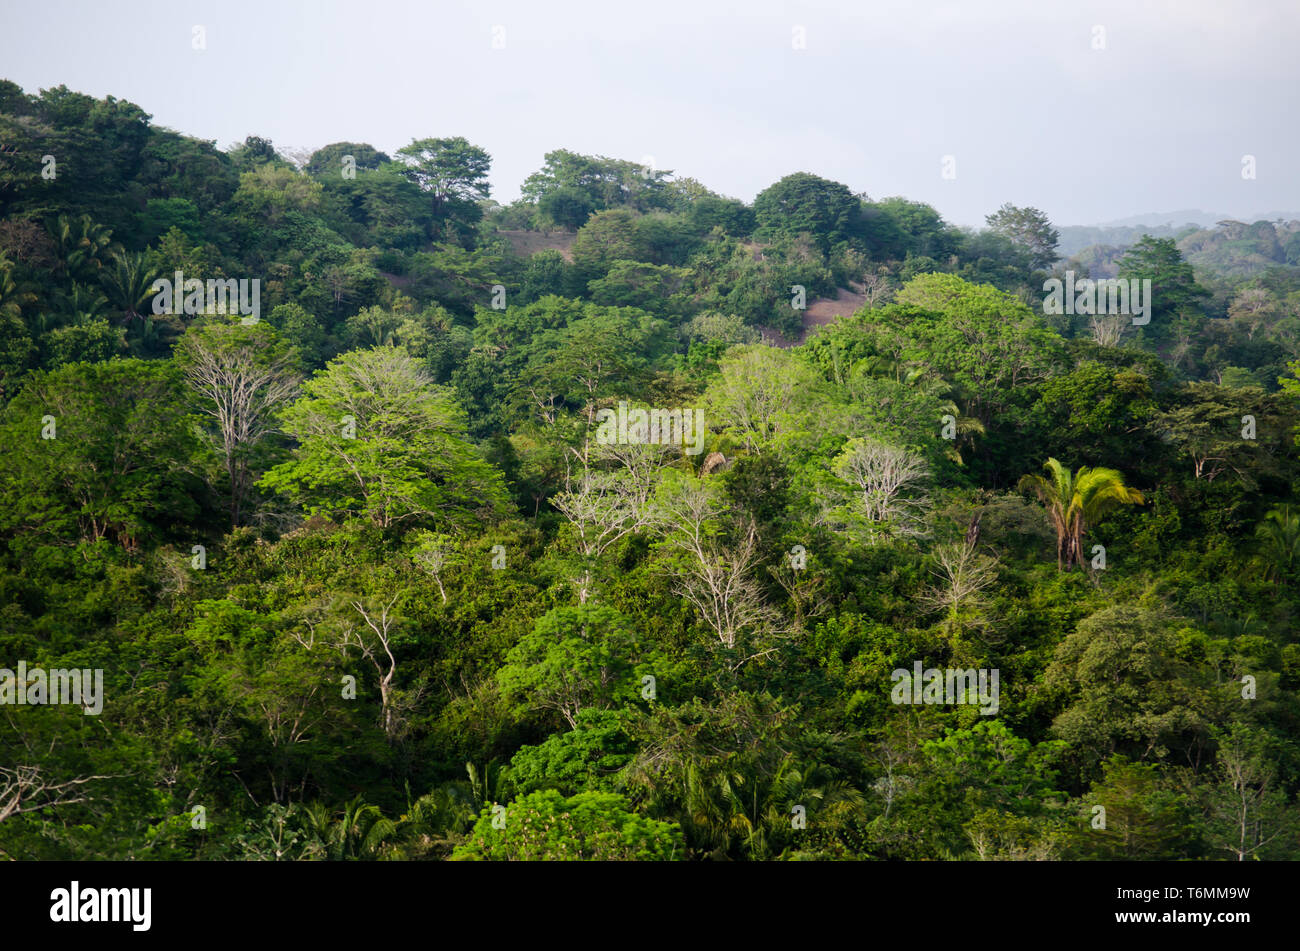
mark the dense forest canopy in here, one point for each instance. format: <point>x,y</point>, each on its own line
<point>408,559</point>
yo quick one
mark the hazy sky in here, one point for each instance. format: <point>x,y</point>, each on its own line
<point>1158,120</point>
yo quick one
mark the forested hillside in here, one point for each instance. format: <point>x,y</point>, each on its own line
<point>423,547</point>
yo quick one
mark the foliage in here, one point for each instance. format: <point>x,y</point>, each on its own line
<point>399,570</point>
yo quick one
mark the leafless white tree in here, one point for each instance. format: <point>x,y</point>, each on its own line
<point>962,574</point>
<point>296,155</point>
<point>1108,329</point>
<point>433,556</point>
<point>241,387</point>
<point>605,506</point>
<point>876,288</point>
<point>374,641</point>
<point>886,482</point>
<point>26,789</point>
<point>715,578</point>
<point>1252,308</point>
<point>805,589</point>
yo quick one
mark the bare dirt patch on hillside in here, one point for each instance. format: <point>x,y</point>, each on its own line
<point>527,243</point>
<point>820,312</point>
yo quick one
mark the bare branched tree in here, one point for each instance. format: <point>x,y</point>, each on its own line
<point>1108,329</point>
<point>717,579</point>
<point>374,641</point>
<point>1252,308</point>
<point>805,589</point>
<point>963,574</point>
<point>885,481</point>
<point>433,555</point>
<point>242,380</point>
<point>877,289</point>
<point>26,789</point>
<point>605,507</point>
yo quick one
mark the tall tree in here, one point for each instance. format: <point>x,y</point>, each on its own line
<point>112,461</point>
<point>1175,293</point>
<point>826,210</point>
<point>378,440</point>
<point>1029,228</point>
<point>1075,501</point>
<point>242,375</point>
<point>452,171</point>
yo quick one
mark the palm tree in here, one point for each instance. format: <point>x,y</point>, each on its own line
<point>1075,501</point>
<point>375,327</point>
<point>434,823</point>
<point>13,296</point>
<point>130,283</point>
<point>83,299</point>
<point>487,786</point>
<point>1279,542</point>
<point>759,809</point>
<point>966,428</point>
<point>742,808</point>
<point>149,338</point>
<point>360,833</point>
<point>83,245</point>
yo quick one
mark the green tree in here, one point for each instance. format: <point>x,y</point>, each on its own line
<point>1029,228</point>
<point>1075,501</point>
<point>588,757</point>
<point>1126,688</point>
<point>988,343</point>
<point>607,237</point>
<point>378,440</point>
<point>565,207</point>
<point>1175,294</point>
<point>574,658</point>
<point>604,183</point>
<point>91,341</point>
<point>119,463</point>
<point>804,203</point>
<point>1278,537</point>
<point>1205,425</point>
<point>1146,817</point>
<point>328,160</point>
<point>591,826</point>
<point>270,192</point>
<point>452,172</point>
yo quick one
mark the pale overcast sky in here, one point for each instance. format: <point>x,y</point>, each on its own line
<point>1158,120</point>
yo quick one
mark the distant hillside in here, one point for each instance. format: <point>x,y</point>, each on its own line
<point>1205,219</point>
<point>1228,249</point>
<point>1233,248</point>
<point>1153,219</point>
<point>1168,224</point>
<point>1075,238</point>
